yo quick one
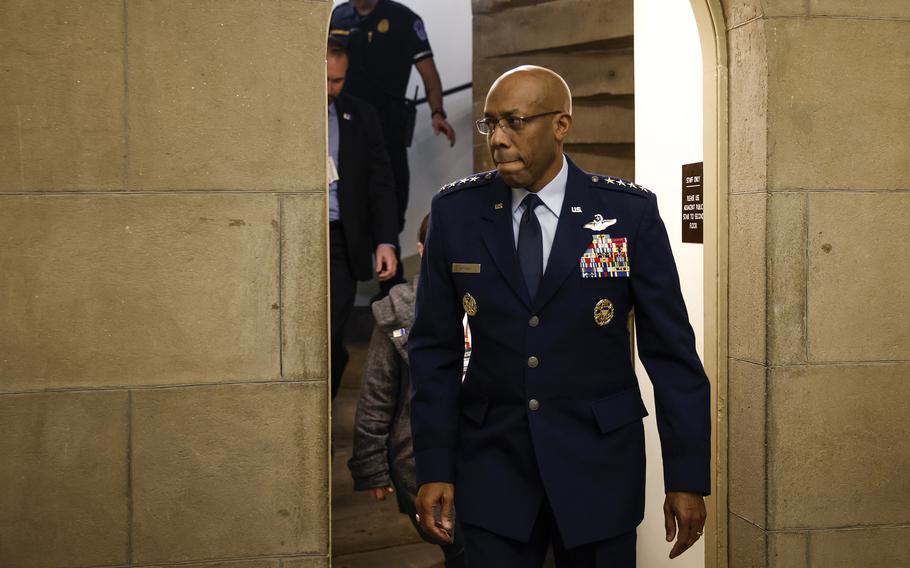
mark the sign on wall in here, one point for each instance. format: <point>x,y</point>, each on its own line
<point>692,203</point>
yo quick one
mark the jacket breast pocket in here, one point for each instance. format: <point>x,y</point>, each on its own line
<point>619,409</point>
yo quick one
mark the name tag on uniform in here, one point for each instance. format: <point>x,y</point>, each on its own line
<point>465,268</point>
<point>605,258</point>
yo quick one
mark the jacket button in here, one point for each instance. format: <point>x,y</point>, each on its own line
<point>534,321</point>
<point>533,404</point>
<point>533,362</point>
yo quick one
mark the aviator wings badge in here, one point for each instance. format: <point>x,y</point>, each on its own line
<point>599,223</point>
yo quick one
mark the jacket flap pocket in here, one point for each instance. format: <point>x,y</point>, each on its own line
<point>618,410</point>
<point>475,410</point>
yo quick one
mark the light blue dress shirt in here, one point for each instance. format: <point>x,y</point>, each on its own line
<point>552,196</point>
<point>334,209</point>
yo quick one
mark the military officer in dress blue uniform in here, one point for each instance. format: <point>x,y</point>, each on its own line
<point>543,441</point>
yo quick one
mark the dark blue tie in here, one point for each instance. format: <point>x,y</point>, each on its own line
<point>530,244</point>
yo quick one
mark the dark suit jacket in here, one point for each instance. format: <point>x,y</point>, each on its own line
<point>583,447</point>
<point>366,190</point>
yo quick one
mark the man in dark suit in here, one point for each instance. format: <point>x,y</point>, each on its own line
<point>362,210</point>
<point>543,442</point>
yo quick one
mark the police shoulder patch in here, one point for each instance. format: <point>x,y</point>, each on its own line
<point>620,184</point>
<point>475,180</point>
<point>419,30</point>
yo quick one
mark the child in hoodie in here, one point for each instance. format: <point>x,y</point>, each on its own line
<point>383,459</point>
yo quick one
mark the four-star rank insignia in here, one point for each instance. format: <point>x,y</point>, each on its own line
<point>605,258</point>
<point>469,304</point>
<point>615,183</point>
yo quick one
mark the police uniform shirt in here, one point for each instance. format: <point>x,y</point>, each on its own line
<point>382,47</point>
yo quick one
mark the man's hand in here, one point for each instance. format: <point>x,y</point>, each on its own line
<point>688,511</point>
<point>386,263</point>
<point>441,125</point>
<point>378,493</point>
<point>430,496</point>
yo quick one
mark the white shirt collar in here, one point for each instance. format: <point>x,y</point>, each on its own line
<point>552,194</point>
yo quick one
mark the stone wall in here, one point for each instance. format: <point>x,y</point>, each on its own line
<point>572,37</point>
<point>163,284</point>
<point>819,345</point>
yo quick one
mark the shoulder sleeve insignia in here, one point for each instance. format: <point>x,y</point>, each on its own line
<point>419,30</point>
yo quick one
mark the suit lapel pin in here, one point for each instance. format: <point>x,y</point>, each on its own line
<point>346,116</point>
<point>497,206</point>
<point>599,223</point>
<point>576,210</point>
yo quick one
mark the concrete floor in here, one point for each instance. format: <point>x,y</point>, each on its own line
<point>366,533</point>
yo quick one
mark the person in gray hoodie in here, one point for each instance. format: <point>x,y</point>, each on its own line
<point>383,458</point>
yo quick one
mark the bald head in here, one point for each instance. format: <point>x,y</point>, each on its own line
<point>528,152</point>
<point>542,86</point>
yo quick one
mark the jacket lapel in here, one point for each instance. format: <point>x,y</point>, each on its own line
<point>499,238</point>
<point>571,239</point>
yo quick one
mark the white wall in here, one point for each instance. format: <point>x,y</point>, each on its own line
<point>433,163</point>
<point>668,134</point>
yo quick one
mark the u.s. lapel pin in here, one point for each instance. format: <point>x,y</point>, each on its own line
<point>497,206</point>
<point>599,223</point>
<point>576,209</point>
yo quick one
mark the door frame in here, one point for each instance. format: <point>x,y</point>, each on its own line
<point>709,18</point>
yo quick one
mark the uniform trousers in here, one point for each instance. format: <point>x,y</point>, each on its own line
<point>398,157</point>
<point>484,549</point>
<point>343,290</point>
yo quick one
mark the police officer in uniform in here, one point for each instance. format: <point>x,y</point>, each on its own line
<point>543,441</point>
<point>384,39</point>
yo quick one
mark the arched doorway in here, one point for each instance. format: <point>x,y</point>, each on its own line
<point>672,152</point>
<point>608,99</point>
<point>709,17</point>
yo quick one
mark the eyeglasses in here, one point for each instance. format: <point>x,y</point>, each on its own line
<point>486,126</point>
